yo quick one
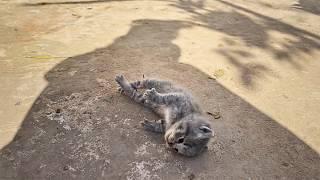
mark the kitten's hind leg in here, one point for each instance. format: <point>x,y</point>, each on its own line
<point>152,95</point>
<point>147,83</point>
<point>157,126</point>
<point>159,85</point>
<point>124,85</point>
<point>128,90</point>
<point>150,83</point>
<point>151,98</point>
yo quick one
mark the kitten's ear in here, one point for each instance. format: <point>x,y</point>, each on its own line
<point>205,129</point>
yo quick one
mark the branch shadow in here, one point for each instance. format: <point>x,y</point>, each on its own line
<point>254,33</point>
<point>81,128</point>
<point>311,6</point>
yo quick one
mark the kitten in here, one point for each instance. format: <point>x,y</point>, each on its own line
<point>185,128</point>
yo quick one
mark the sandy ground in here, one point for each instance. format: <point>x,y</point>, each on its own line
<point>256,62</point>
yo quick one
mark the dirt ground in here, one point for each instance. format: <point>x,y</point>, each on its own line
<point>256,62</point>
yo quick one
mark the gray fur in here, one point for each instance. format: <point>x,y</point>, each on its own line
<point>185,128</point>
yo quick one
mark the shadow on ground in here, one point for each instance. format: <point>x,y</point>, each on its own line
<point>311,6</point>
<point>81,128</point>
<point>254,29</point>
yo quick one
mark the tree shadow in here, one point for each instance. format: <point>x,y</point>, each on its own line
<point>311,6</point>
<point>81,128</point>
<point>254,33</point>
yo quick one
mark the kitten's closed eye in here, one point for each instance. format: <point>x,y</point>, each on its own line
<point>205,129</point>
<point>180,140</point>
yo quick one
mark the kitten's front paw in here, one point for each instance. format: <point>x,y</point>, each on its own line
<point>119,79</point>
<point>149,93</point>
<point>153,126</point>
<point>147,125</point>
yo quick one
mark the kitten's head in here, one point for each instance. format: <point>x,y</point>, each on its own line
<point>190,135</point>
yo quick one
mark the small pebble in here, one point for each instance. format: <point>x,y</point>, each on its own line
<point>17,103</point>
<point>48,113</point>
<point>285,164</point>
<point>87,112</point>
<point>215,115</point>
<point>191,176</point>
<point>58,110</point>
<point>65,168</point>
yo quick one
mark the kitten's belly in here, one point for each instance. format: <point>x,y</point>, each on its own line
<point>165,113</point>
<point>161,111</point>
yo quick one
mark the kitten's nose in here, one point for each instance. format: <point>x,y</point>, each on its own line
<point>170,143</point>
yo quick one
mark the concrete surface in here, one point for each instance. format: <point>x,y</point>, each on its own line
<point>254,61</point>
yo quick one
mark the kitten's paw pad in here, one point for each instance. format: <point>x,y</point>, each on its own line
<point>149,93</point>
<point>146,95</point>
<point>136,85</point>
<point>153,91</point>
<point>119,78</point>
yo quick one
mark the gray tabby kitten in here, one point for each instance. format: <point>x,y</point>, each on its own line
<point>186,130</point>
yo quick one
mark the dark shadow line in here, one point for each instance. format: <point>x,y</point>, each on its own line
<point>67,2</point>
<point>309,6</point>
<point>72,2</point>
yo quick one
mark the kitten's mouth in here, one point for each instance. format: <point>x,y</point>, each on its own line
<point>169,140</point>
<point>169,144</point>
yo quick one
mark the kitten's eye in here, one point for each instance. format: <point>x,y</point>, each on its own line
<point>180,140</point>
<point>205,129</point>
